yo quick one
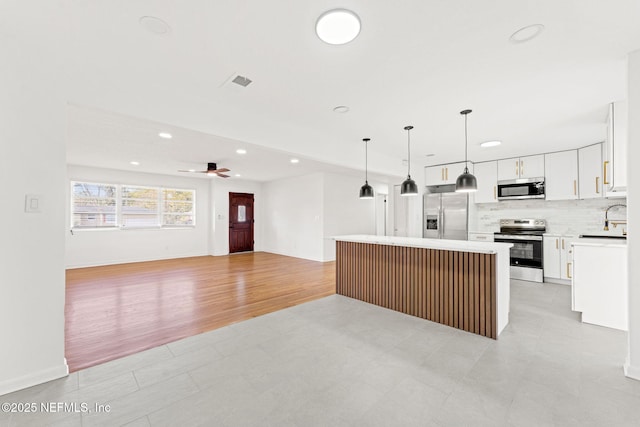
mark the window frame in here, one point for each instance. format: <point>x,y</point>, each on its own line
<point>160,212</point>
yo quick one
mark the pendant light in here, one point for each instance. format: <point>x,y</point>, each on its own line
<point>409,187</point>
<point>466,183</point>
<point>366,191</point>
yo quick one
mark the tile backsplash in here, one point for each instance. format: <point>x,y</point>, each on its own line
<point>569,217</point>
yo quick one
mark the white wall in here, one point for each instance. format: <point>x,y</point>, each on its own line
<point>32,161</point>
<point>570,217</point>
<point>344,212</point>
<point>293,217</point>
<point>102,247</point>
<point>219,195</point>
<point>632,366</point>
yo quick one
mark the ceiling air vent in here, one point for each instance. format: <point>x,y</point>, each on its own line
<point>241,80</point>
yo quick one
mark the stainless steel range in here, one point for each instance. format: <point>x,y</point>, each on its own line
<point>526,253</point>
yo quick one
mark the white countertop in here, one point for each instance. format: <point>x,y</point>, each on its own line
<point>417,242</point>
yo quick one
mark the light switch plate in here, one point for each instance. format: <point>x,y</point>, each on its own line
<point>33,203</point>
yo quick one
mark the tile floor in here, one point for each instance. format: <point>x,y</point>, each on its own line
<point>338,361</point>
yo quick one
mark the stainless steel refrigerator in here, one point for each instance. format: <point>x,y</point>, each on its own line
<point>445,213</point>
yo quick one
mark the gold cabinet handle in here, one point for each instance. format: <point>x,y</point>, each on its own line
<point>442,173</point>
<point>495,197</point>
<point>605,173</point>
<point>569,270</point>
<point>556,243</point>
<point>521,168</point>
<point>575,187</point>
<point>517,168</point>
<point>446,173</point>
<point>562,243</point>
<point>597,185</point>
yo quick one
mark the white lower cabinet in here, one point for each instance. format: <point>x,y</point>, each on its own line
<point>557,256</point>
<point>599,284</point>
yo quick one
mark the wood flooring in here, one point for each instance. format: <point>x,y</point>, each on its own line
<point>117,310</point>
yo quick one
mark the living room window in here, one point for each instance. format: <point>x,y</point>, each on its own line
<point>103,206</point>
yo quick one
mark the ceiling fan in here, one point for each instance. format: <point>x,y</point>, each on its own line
<point>212,169</point>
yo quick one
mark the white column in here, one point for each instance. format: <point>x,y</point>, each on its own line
<point>632,366</point>
<point>32,244</point>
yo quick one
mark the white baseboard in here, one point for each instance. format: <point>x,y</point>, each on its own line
<point>34,378</point>
<point>632,371</point>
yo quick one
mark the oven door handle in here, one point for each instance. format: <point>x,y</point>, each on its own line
<point>505,237</point>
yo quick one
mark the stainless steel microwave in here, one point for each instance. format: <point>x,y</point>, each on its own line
<point>523,188</point>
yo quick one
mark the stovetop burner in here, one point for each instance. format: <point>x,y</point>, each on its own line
<point>534,227</point>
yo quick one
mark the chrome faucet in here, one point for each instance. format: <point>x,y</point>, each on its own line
<point>606,217</point>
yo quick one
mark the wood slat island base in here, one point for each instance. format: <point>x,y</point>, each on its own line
<point>457,288</point>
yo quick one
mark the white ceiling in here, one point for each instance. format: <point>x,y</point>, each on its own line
<point>415,62</point>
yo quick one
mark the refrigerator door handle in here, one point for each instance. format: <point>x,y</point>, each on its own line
<point>441,228</point>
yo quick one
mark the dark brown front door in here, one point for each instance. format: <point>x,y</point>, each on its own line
<point>240,222</point>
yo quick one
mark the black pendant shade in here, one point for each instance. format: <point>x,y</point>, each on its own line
<point>466,183</point>
<point>409,187</point>
<point>366,191</point>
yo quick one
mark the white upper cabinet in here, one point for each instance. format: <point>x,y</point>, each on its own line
<point>487,175</point>
<point>615,152</point>
<point>590,172</point>
<point>521,167</point>
<point>444,174</point>
<point>561,175</point>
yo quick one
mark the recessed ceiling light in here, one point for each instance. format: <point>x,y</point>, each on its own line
<point>192,170</point>
<point>241,151</point>
<point>295,161</point>
<point>338,26</point>
<point>155,25</point>
<point>165,135</point>
<point>526,33</point>
<point>238,175</point>
<point>341,109</point>
<point>134,163</point>
<point>487,144</point>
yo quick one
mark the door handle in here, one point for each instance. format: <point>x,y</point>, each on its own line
<point>597,185</point>
<point>556,243</point>
<point>563,244</point>
<point>442,173</point>
<point>568,270</point>
<point>605,173</point>
<point>521,168</point>
<point>575,187</point>
<point>494,192</point>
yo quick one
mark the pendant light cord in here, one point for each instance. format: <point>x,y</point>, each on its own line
<point>465,113</point>
<point>366,159</point>
<point>408,128</point>
<point>466,169</point>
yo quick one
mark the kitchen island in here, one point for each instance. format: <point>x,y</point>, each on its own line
<point>457,283</point>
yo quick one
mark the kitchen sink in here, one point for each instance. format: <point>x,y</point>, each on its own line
<point>601,236</point>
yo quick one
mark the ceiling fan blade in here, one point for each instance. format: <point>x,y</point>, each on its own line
<point>221,175</point>
<point>193,171</point>
<point>222,170</point>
